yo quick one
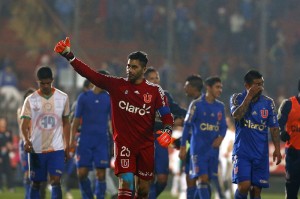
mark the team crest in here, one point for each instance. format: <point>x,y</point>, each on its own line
<point>264,113</point>
<point>147,98</point>
<point>219,115</point>
<point>124,163</point>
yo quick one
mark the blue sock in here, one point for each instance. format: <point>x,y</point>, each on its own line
<point>26,184</point>
<point>100,189</point>
<point>34,193</point>
<point>215,181</point>
<point>190,192</point>
<point>152,192</point>
<point>85,188</point>
<point>56,192</point>
<point>203,190</point>
<point>238,195</point>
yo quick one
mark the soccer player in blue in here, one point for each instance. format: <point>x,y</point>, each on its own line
<point>193,88</point>
<point>161,153</point>
<point>254,116</point>
<point>206,121</point>
<point>93,113</point>
<point>214,90</point>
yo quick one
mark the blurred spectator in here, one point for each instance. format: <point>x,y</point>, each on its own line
<point>148,17</point>
<point>237,22</point>
<point>65,11</point>
<point>277,57</point>
<point>8,77</point>
<point>6,148</point>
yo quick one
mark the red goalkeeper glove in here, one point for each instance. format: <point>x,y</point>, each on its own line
<point>63,48</point>
<point>165,136</point>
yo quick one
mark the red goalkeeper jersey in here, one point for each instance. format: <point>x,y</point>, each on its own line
<point>134,106</point>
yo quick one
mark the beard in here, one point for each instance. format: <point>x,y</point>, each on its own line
<point>257,95</point>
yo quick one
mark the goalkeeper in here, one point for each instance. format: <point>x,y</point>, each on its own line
<point>134,103</point>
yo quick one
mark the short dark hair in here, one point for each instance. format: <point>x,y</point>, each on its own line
<point>252,75</point>
<point>86,83</point>
<point>210,81</point>
<point>149,70</point>
<point>28,92</point>
<point>299,85</point>
<point>195,81</point>
<point>44,72</point>
<point>139,55</point>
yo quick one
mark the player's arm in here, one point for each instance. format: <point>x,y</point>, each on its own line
<point>166,117</point>
<point>74,128</point>
<point>222,131</point>
<point>100,80</point>
<point>186,130</point>
<point>66,135</point>
<point>276,141</point>
<point>176,110</point>
<point>25,130</point>
<point>274,130</point>
<point>66,129</point>
<point>283,113</point>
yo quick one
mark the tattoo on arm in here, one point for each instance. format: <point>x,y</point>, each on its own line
<point>241,110</point>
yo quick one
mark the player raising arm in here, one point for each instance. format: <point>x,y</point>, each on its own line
<point>134,104</point>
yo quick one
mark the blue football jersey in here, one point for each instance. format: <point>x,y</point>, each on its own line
<point>206,121</point>
<point>251,138</point>
<point>94,109</point>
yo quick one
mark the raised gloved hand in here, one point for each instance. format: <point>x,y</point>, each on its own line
<point>284,136</point>
<point>63,48</point>
<point>165,136</point>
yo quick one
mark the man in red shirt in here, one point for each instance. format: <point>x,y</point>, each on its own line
<point>135,102</point>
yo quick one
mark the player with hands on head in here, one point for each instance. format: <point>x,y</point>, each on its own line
<point>288,119</point>
<point>134,104</point>
<point>46,132</point>
<point>255,116</point>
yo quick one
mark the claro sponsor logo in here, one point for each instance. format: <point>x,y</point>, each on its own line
<point>295,128</point>
<point>133,109</point>
<point>252,125</point>
<point>209,127</point>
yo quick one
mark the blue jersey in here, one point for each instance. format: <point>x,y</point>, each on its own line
<point>251,138</point>
<point>206,122</point>
<point>94,109</point>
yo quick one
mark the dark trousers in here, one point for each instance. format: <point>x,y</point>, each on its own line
<point>292,173</point>
<point>6,171</point>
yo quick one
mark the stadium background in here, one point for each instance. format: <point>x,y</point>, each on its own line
<point>181,37</point>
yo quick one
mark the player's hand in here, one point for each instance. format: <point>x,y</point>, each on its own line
<point>284,136</point>
<point>217,142</point>
<point>255,90</point>
<point>182,153</point>
<point>176,143</point>
<point>67,153</point>
<point>165,136</point>
<point>277,156</point>
<point>63,47</point>
<point>28,147</point>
